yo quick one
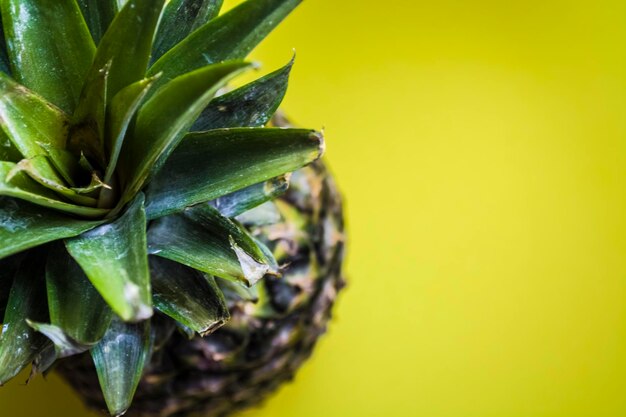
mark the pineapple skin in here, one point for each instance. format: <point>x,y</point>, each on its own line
<point>264,343</point>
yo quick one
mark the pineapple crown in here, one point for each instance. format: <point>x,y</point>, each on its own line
<point>122,173</point>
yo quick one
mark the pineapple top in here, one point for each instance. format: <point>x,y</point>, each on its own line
<point>122,172</point>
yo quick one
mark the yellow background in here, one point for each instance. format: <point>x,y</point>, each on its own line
<point>481,147</point>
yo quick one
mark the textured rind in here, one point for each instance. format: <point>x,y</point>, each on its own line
<point>263,345</point>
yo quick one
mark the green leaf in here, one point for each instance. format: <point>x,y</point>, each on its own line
<point>40,170</point>
<point>75,305</point>
<point>98,14</point>
<point>24,226</point>
<point>164,119</point>
<point>65,163</point>
<point>79,316</point>
<point>208,10</point>
<point>241,201</point>
<point>207,241</point>
<point>28,120</point>
<point>230,36</point>
<point>128,43</point>
<point>249,106</point>
<point>22,187</point>
<point>35,127</point>
<point>211,164</point>
<point>50,47</point>
<point>19,344</point>
<point>187,296</point>
<point>114,257</point>
<point>120,113</point>
<point>180,18</point>
<point>87,133</point>
<point>8,268</point>
<point>211,219</point>
<point>120,359</point>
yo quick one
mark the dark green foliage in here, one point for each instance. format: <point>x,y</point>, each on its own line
<point>87,129</point>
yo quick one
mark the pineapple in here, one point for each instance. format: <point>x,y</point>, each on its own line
<point>170,246</point>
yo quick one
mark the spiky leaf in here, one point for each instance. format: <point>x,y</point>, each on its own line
<point>120,358</point>
<point>180,18</point>
<point>187,296</point>
<point>114,257</point>
<point>249,106</point>
<point>121,111</point>
<point>22,187</point>
<point>75,305</point>
<point>166,116</point>
<point>238,202</point>
<point>205,240</point>
<point>28,120</point>
<point>128,43</point>
<point>88,122</point>
<point>49,46</point>
<point>40,169</point>
<point>230,36</point>
<point>24,226</point>
<point>211,164</point>
<point>65,163</point>
<point>19,344</point>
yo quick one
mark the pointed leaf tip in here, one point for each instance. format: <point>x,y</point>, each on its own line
<point>203,239</point>
<point>253,270</point>
<point>319,138</point>
<point>120,358</point>
<point>188,296</point>
<point>232,35</point>
<point>252,105</point>
<point>122,109</point>
<point>128,41</point>
<point>201,168</point>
